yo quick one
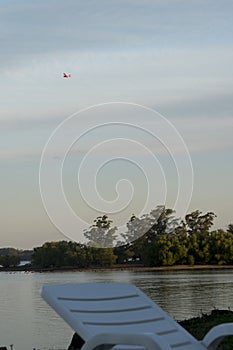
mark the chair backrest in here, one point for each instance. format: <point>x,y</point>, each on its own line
<point>112,307</point>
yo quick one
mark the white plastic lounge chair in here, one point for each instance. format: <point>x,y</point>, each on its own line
<point>121,314</point>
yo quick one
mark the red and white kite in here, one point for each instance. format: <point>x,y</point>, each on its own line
<point>66,75</point>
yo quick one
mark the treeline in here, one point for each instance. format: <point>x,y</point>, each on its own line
<point>11,257</point>
<point>180,249</point>
<point>155,239</point>
<point>63,253</point>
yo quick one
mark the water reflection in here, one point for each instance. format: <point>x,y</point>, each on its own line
<point>184,295</point>
<point>27,321</point>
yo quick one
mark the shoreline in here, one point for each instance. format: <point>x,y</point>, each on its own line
<point>119,267</point>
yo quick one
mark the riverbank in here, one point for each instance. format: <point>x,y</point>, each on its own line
<point>133,267</point>
<point>199,326</point>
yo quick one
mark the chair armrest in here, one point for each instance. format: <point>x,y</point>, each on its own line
<point>216,334</point>
<point>147,340</point>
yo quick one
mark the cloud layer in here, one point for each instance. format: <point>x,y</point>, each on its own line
<point>174,56</point>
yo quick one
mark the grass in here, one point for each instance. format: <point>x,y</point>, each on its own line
<point>199,326</point>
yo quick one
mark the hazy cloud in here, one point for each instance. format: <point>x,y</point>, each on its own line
<point>171,55</point>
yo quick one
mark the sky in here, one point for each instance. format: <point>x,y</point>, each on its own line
<point>146,118</point>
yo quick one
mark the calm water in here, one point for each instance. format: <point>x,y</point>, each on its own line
<point>28,322</point>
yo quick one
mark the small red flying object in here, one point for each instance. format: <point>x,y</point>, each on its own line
<point>66,75</point>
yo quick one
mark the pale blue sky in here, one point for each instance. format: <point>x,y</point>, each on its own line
<point>174,56</point>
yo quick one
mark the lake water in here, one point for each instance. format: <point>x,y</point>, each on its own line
<point>28,322</point>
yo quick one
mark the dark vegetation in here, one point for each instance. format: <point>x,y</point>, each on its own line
<point>199,326</point>
<point>10,257</point>
<point>167,241</point>
<point>153,240</point>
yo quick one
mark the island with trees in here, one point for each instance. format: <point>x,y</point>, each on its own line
<point>166,241</point>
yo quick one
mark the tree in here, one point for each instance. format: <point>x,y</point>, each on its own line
<point>101,234</point>
<point>103,257</point>
<point>199,224</point>
<point>197,227</point>
<point>230,228</point>
<point>47,255</point>
<point>143,232</point>
<point>149,226</point>
<point>9,260</point>
<point>167,250</point>
<point>221,246</point>
<point>59,254</point>
<point>9,257</point>
<point>124,254</point>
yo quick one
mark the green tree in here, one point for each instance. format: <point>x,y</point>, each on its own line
<point>198,231</point>
<point>58,254</point>
<point>46,256</point>
<point>143,232</point>
<point>136,227</point>
<point>221,246</point>
<point>149,226</point>
<point>101,234</point>
<point>198,249</point>
<point>159,252</point>
<point>199,224</point>
<point>9,260</point>
<point>102,257</point>
<point>167,250</point>
<point>124,254</point>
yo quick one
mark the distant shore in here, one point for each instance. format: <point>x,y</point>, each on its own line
<point>132,267</point>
